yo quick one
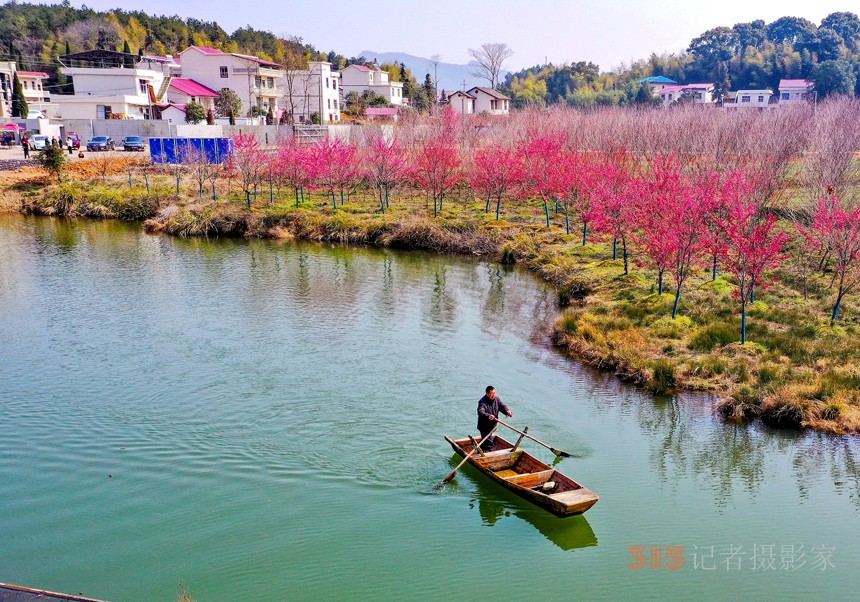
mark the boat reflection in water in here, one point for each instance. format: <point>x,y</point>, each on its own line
<point>495,502</point>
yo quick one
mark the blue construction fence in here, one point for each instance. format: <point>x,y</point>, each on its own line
<point>186,150</point>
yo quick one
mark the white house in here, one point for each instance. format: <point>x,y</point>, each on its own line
<point>253,79</point>
<point>749,99</point>
<point>795,91</point>
<point>462,102</point>
<point>358,78</point>
<point>109,92</point>
<point>699,93</point>
<point>312,90</point>
<point>34,92</point>
<point>658,82</point>
<point>490,101</point>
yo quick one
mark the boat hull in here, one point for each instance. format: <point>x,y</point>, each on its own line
<point>528,477</point>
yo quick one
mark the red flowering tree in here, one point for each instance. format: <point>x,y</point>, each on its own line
<point>672,218</point>
<point>753,244</point>
<point>385,164</point>
<point>836,230</point>
<point>335,166</point>
<point>543,157</point>
<point>296,166</point>
<point>496,169</point>
<point>436,166</point>
<point>577,173</point>
<point>614,203</point>
<point>247,162</point>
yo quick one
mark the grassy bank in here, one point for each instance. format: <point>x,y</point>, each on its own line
<point>797,371</point>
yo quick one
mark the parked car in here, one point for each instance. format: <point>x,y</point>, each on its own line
<point>75,138</point>
<point>101,143</point>
<point>133,143</point>
<point>38,142</point>
<point>35,115</point>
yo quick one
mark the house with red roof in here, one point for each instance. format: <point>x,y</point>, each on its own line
<point>182,91</point>
<point>254,80</point>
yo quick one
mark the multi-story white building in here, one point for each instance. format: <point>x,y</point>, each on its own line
<point>795,91</point>
<point>359,78</point>
<point>110,92</point>
<point>34,90</point>
<point>312,90</point>
<point>254,80</point>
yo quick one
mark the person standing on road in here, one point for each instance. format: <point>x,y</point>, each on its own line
<point>69,144</point>
<point>489,408</point>
<point>25,144</point>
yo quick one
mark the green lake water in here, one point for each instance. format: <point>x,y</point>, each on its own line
<point>263,421</point>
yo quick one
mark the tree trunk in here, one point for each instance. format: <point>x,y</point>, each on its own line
<point>546,210</point>
<point>584,232</point>
<point>498,207</point>
<point>381,201</point>
<point>487,208</point>
<point>624,251</point>
<point>214,194</point>
<point>714,272</point>
<point>743,321</point>
<point>660,282</point>
<point>248,198</point>
<point>677,301</point>
<point>614,248</point>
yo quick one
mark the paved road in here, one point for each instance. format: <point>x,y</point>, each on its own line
<point>16,153</point>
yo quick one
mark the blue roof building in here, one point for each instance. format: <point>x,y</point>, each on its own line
<point>658,79</point>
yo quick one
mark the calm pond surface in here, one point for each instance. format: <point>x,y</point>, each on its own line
<point>263,421</point>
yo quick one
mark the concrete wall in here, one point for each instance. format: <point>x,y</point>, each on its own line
<point>266,134</point>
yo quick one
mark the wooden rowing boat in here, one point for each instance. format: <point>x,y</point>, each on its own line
<point>528,477</point>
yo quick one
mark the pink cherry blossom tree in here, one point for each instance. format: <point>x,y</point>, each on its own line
<point>248,162</point>
<point>753,243</point>
<point>436,166</point>
<point>385,164</point>
<point>496,169</point>
<point>836,230</point>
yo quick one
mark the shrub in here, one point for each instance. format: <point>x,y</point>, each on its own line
<point>662,377</point>
<point>712,336</point>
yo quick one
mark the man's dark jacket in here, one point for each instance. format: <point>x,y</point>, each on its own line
<point>489,407</point>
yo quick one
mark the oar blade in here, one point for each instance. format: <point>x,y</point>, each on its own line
<point>560,453</point>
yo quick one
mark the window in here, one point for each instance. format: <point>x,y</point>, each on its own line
<point>335,105</point>
<point>700,96</point>
<point>670,97</point>
<point>784,96</point>
<point>142,85</point>
<point>329,103</point>
<point>745,98</point>
<point>224,72</point>
<point>103,111</point>
<point>326,82</point>
<point>258,82</point>
<point>761,98</point>
<point>334,84</point>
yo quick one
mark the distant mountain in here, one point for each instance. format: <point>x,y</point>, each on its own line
<point>451,75</point>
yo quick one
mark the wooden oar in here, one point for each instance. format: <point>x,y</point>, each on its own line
<point>557,452</point>
<point>466,459</point>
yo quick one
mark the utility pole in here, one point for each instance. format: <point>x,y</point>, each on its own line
<point>462,103</point>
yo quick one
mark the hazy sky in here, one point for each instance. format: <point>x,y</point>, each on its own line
<point>606,33</point>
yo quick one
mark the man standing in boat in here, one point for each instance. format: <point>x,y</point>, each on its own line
<point>489,407</point>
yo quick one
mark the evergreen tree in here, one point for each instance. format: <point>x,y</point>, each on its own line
<point>127,61</point>
<point>19,103</point>
<point>194,112</point>
<point>429,89</point>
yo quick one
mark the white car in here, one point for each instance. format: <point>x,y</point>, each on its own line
<point>35,115</point>
<point>38,142</point>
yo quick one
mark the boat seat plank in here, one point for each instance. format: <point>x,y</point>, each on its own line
<point>531,479</point>
<point>574,496</point>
